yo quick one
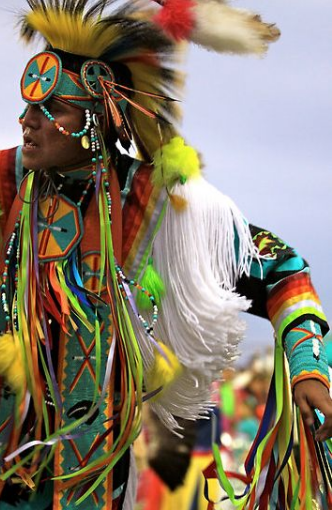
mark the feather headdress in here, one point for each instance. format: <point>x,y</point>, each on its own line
<point>126,36</point>
<point>144,40</point>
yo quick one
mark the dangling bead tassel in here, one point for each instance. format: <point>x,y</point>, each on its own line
<point>63,130</point>
<point>152,282</point>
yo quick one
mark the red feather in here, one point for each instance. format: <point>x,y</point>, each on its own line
<point>176,18</point>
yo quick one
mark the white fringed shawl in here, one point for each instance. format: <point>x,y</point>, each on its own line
<point>196,253</point>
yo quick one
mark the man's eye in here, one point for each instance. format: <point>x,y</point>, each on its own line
<point>53,107</point>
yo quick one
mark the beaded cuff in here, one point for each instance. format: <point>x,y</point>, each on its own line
<point>306,354</point>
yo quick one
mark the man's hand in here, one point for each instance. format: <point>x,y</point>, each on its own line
<point>312,394</point>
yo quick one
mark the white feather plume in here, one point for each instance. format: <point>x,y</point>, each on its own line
<point>222,28</point>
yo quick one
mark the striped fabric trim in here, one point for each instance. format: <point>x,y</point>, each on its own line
<point>292,298</point>
<point>141,214</point>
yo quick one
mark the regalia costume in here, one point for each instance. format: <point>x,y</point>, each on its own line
<point>123,281</point>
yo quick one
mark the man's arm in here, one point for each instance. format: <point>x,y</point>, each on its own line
<point>281,290</point>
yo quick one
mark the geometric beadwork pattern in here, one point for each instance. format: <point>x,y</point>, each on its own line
<point>269,245</point>
<point>41,77</point>
<point>77,374</point>
<point>59,228</point>
<point>84,361</point>
<point>91,271</point>
<point>93,71</point>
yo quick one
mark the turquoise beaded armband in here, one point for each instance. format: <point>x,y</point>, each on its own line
<point>305,351</point>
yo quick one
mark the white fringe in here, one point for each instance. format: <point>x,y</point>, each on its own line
<point>194,251</point>
<point>225,29</point>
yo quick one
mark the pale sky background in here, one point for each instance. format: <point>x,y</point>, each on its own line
<point>263,125</point>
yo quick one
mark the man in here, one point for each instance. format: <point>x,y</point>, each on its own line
<point>88,289</point>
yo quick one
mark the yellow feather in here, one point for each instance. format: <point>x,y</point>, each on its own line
<point>149,79</point>
<point>7,352</point>
<point>165,371</point>
<point>175,161</point>
<point>11,366</point>
<point>70,33</point>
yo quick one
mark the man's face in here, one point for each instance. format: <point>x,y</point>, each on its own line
<point>44,147</point>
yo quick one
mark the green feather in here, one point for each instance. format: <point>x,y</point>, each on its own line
<point>152,282</point>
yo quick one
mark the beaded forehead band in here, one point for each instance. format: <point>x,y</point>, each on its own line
<point>44,76</point>
<point>94,90</point>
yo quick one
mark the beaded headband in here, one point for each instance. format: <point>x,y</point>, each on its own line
<point>45,76</point>
<point>94,90</point>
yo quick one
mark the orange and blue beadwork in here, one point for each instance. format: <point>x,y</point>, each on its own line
<point>41,77</point>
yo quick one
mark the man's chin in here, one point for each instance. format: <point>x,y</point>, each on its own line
<point>30,163</point>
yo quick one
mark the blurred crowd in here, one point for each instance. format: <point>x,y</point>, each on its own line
<point>170,467</point>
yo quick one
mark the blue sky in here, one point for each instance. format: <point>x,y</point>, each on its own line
<point>263,126</point>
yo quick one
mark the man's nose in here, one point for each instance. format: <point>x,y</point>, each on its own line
<point>32,116</point>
